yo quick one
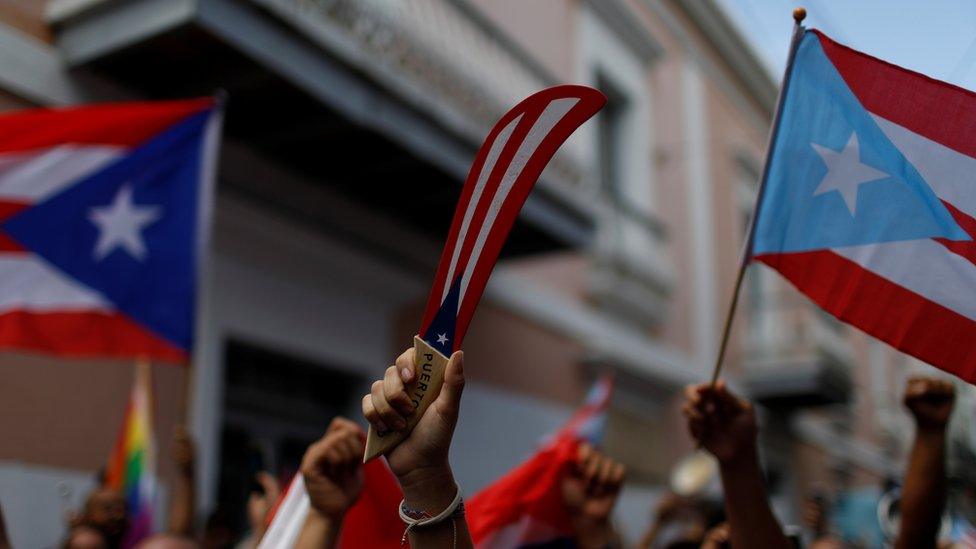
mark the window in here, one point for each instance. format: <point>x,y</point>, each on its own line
<point>610,140</point>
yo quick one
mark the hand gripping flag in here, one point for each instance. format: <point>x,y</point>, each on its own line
<point>102,209</point>
<point>868,205</point>
<point>525,508</point>
<point>504,172</point>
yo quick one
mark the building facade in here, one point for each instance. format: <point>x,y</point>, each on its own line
<point>350,126</point>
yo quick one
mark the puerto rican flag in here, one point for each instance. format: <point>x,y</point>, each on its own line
<point>869,203</point>
<point>525,508</point>
<point>102,212</point>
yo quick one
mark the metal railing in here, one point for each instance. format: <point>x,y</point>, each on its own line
<point>788,325</point>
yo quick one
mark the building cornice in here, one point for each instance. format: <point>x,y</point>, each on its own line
<point>731,47</point>
<point>619,18</point>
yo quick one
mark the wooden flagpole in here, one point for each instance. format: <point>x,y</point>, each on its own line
<point>799,14</point>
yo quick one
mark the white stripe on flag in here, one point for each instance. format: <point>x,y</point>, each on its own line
<point>29,283</point>
<point>289,518</point>
<point>496,149</point>
<point>554,112</point>
<point>33,176</point>
<point>924,267</point>
<point>947,172</point>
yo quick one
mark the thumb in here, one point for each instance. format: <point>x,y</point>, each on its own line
<point>449,400</point>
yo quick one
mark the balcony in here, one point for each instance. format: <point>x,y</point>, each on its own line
<point>632,274</point>
<point>796,355</point>
<point>361,103</point>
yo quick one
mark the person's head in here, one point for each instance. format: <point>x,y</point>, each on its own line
<point>105,509</point>
<point>167,541</point>
<point>84,536</point>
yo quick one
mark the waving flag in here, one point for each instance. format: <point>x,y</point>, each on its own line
<point>869,200</point>
<point>525,507</point>
<point>102,209</point>
<point>132,466</point>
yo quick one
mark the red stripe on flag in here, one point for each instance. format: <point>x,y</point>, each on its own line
<point>583,110</point>
<point>889,312</point>
<point>477,219</point>
<point>84,335</point>
<point>965,249</point>
<point>937,110</point>
<point>123,124</point>
<point>9,245</point>
<point>10,208</point>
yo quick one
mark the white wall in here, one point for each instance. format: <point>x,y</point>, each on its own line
<point>279,285</point>
<point>33,507</point>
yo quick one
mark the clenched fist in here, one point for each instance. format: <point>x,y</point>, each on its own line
<point>332,469</point>
<point>930,401</point>
<point>720,421</point>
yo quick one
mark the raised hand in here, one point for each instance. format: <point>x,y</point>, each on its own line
<point>718,420</point>
<point>420,462</point>
<point>590,491</point>
<point>388,405</point>
<point>332,469</point>
<point>184,453</point>
<point>726,426</point>
<point>930,401</point>
<point>259,505</point>
<point>591,488</point>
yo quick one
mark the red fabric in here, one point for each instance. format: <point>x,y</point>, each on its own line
<point>900,317</point>
<point>373,521</point>
<point>937,110</point>
<point>122,124</point>
<point>962,248</point>
<point>533,489</point>
<point>84,335</point>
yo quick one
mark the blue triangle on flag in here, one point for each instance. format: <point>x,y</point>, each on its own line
<point>440,333</point>
<point>159,181</point>
<point>819,118</point>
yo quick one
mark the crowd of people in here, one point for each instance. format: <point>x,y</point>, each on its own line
<point>432,510</point>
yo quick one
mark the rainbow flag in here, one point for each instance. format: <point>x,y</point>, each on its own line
<point>132,465</point>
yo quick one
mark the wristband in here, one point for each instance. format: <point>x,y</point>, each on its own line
<point>417,518</point>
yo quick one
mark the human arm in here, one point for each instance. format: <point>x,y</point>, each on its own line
<point>183,502</point>
<point>725,425</point>
<point>420,462</point>
<point>590,492</point>
<point>333,475</point>
<point>923,496</point>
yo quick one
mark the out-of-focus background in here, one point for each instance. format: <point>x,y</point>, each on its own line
<point>350,127</point>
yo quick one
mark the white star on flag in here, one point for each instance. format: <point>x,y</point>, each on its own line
<point>442,339</point>
<point>120,225</point>
<point>845,172</point>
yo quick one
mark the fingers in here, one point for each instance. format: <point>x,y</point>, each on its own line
<point>601,474</point>
<point>270,485</point>
<point>406,365</point>
<point>338,452</point>
<point>388,415</point>
<point>388,405</point>
<point>395,392</point>
<point>929,388</point>
<point>449,400</point>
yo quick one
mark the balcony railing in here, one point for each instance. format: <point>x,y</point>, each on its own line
<point>443,55</point>
<point>632,273</point>
<point>792,327</point>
